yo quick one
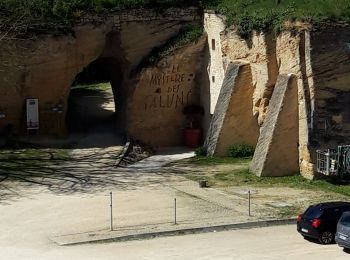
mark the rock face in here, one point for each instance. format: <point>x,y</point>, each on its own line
<point>269,57</point>
<point>155,112</point>
<point>276,153</point>
<point>241,92</point>
<point>213,25</point>
<point>45,68</point>
<point>331,70</point>
<point>293,55</point>
<point>260,52</point>
<point>319,61</point>
<point>233,122</point>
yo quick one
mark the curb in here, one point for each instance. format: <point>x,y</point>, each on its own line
<point>188,231</point>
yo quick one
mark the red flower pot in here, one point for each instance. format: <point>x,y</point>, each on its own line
<point>193,137</point>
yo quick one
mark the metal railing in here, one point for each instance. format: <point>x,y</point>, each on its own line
<point>327,161</point>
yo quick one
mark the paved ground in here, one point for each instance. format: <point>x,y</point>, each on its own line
<point>72,199</point>
<point>281,242</point>
<point>70,171</point>
<point>51,196</point>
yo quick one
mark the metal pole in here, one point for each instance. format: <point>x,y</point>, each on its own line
<point>249,203</point>
<point>111,206</point>
<point>328,160</point>
<point>175,210</point>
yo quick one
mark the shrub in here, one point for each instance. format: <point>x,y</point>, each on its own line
<point>241,150</point>
<point>266,15</point>
<point>201,151</point>
<point>185,36</point>
<point>21,16</point>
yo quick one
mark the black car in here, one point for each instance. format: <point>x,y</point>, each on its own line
<point>343,231</point>
<point>320,221</point>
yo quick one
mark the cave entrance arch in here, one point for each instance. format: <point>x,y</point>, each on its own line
<point>96,104</point>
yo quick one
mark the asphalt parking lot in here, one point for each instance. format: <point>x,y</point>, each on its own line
<point>281,242</point>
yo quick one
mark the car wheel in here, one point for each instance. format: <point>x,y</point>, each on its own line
<point>326,237</point>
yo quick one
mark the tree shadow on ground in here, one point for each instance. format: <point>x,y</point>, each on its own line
<point>84,174</point>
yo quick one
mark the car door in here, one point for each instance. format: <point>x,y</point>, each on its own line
<point>330,219</point>
<point>336,213</point>
<point>344,227</point>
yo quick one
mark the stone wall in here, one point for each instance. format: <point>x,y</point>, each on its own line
<point>214,24</point>
<point>319,61</point>
<point>155,112</point>
<point>276,153</point>
<point>269,57</point>
<point>44,68</point>
<point>118,18</point>
<point>233,123</point>
<point>293,55</point>
<point>331,68</point>
<point>260,52</point>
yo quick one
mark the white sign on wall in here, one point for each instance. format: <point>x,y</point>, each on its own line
<point>32,114</point>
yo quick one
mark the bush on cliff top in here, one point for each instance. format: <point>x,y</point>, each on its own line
<point>23,16</point>
<point>59,15</point>
<point>265,15</point>
<point>184,37</point>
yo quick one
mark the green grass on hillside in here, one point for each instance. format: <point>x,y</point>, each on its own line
<point>240,176</point>
<point>185,36</point>
<point>59,15</point>
<point>267,15</point>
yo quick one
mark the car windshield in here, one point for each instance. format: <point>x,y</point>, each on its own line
<point>313,212</point>
<point>345,220</point>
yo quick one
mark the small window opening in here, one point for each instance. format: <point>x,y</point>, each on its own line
<point>213,44</point>
<point>213,78</point>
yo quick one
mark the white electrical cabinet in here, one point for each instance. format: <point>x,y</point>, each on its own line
<point>32,114</point>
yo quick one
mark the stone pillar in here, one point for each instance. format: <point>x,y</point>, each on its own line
<point>276,153</point>
<point>214,24</point>
<point>233,121</point>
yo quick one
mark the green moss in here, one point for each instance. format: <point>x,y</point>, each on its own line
<point>185,36</point>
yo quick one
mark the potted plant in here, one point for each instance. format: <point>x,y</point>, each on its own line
<point>193,131</point>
